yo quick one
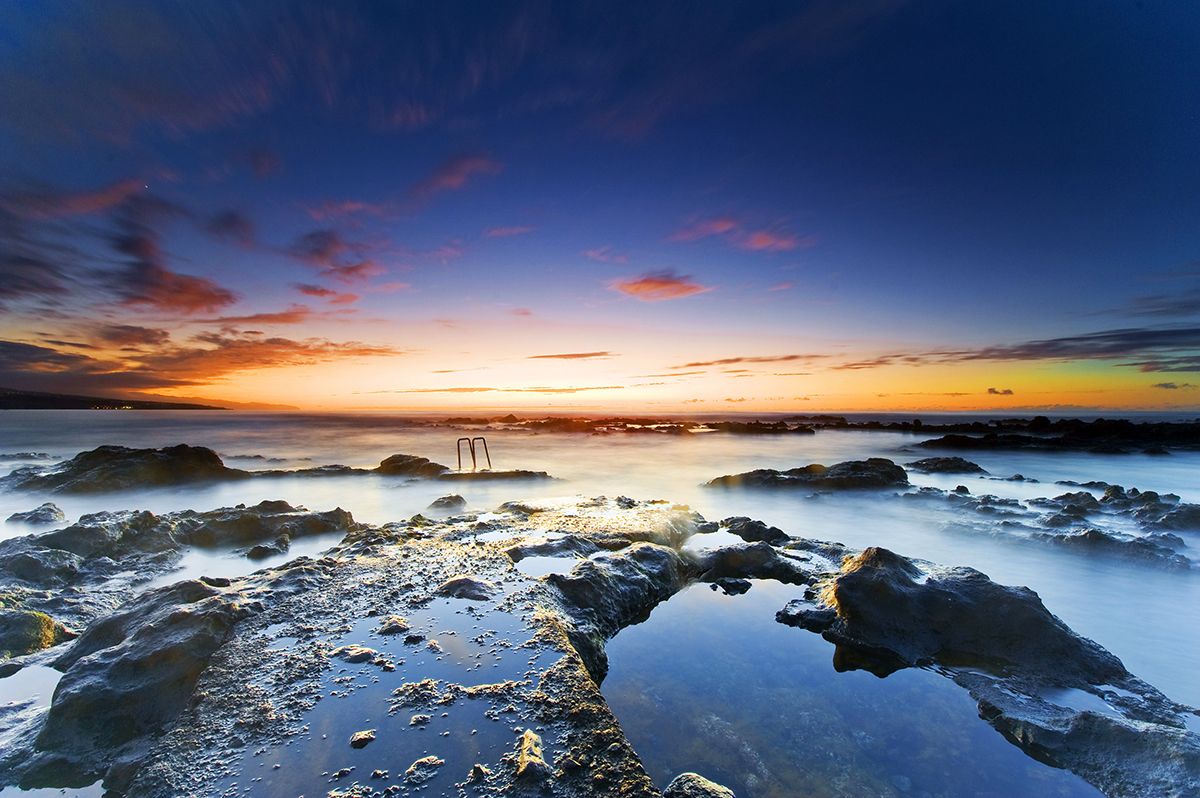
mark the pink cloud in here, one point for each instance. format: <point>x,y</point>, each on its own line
<point>605,255</point>
<point>506,232</point>
<point>49,206</point>
<point>659,286</point>
<point>455,174</point>
<point>767,241</point>
<point>782,287</point>
<point>705,228</point>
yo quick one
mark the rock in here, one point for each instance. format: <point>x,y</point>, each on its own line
<point>692,785</point>
<point>754,560</point>
<point>755,531</point>
<point>361,739</point>
<point>614,589</point>
<point>109,468</point>
<point>423,769</point>
<point>25,631</point>
<point>962,490</point>
<point>490,476</point>
<point>130,673</point>
<point>466,587</point>
<point>1144,549</point>
<point>478,773</point>
<point>447,504</point>
<point>264,550</point>
<point>48,513</point>
<point>354,653</point>
<point>884,604</point>
<point>393,625</point>
<point>1184,518</point>
<point>565,546</point>
<point>420,719</point>
<point>531,764</point>
<point>410,465</point>
<point>875,472</point>
<point>945,465</point>
<point>732,587</point>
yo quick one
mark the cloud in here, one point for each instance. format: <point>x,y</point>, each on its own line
<point>659,286</point>
<point>729,361</point>
<point>1000,391</point>
<point>507,232</point>
<point>335,209</point>
<point>49,205</point>
<point>334,256</point>
<point>768,241</point>
<point>546,389</point>
<point>146,279</point>
<point>782,287</point>
<point>605,255</point>
<point>573,356</point>
<point>231,226</point>
<point>334,297</point>
<point>1175,386</point>
<point>131,335</point>
<point>705,228</point>
<point>295,314</point>
<point>454,174</point>
<point>1181,303</point>
<point>521,312</point>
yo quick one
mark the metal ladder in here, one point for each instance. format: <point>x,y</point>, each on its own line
<point>471,447</point>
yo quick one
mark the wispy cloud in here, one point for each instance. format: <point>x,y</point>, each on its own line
<point>1000,391</point>
<point>605,255</point>
<point>770,241</point>
<point>573,356</point>
<point>334,256</point>
<point>705,228</point>
<point>1175,386</point>
<point>659,286</point>
<point>729,361</point>
<point>546,389</point>
<point>735,233</point>
<point>507,232</point>
<point>455,173</point>
<point>53,204</point>
<point>320,291</point>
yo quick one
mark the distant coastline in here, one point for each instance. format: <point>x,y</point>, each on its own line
<point>36,400</point>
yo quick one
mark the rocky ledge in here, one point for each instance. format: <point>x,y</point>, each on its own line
<point>875,472</point>
<point>360,673</point>
<point>115,468</point>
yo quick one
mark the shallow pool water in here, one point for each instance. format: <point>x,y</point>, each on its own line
<point>711,683</point>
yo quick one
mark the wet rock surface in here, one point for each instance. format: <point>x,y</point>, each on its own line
<point>945,465</point>
<point>875,472</point>
<point>416,655</point>
<point>109,468</point>
<point>885,612</point>
<point>48,513</point>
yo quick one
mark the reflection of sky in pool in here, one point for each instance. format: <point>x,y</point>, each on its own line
<point>712,683</point>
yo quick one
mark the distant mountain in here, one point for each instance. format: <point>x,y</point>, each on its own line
<point>36,400</point>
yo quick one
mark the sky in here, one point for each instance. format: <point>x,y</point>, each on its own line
<point>692,206</point>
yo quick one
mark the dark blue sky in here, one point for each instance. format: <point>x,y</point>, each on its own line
<point>944,191</point>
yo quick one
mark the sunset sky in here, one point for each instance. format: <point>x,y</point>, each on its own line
<point>701,206</point>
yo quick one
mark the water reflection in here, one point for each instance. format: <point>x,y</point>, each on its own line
<point>712,683</point>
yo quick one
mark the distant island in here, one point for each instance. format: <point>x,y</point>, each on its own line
<point>36,400</point>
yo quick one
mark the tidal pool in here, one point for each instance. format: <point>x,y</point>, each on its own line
<point>711,683</point>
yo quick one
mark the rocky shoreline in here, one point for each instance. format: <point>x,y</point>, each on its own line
<point>429,627</point>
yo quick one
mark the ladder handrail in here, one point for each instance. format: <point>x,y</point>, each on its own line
<point>458,449</point>
<point>485,449</point>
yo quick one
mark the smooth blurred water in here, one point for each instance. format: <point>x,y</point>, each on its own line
<point>1147,616</point>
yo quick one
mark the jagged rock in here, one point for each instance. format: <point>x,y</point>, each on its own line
<point>361,739</point>
<point>875,472</point>
<point>489,476</point>
<point>882,602</point>
<point>410,465</point>
<point>945,465</point>
<point>25,631</point>
<point>565,546</point>
<point>131,672</point>
<point>393,625</point>
<point>1184,518</point>
<point>447,504</point>
<point>754,531</point>
<point>531,762</point>
<point>109,468</point>
<point>1096,540</point>
<point>355,653</point>
<point>48,513</point>
<point>612,590</point>
<point>732,587</point>
<point>692,785</point>
<point>466,587</point>
<point>754,560</point>
<point>423,769</point>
